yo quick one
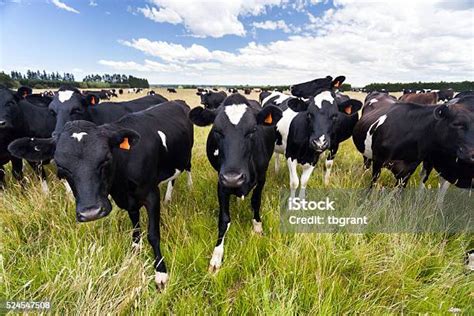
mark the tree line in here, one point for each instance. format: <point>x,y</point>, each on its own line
<point>398,86</point>
<point>44,80</point>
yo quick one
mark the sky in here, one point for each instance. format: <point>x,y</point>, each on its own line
<point>241,41</point>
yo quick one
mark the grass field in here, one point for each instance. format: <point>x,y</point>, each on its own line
<point>91,268</point>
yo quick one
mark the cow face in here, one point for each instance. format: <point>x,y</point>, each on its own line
<point>322,114</point>
<point>9,108</point>
<point>310,88</point>
<point>70,105</point>
<point>231,144</point>
<point>455,128</point>
<point>83,155</point>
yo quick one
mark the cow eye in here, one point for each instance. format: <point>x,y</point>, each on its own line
<point>76,111</point>
<point>218,133</point>
<point>334,117</point>
<point>309,116</point>
<point>251,132</point>
<point>52,112</point>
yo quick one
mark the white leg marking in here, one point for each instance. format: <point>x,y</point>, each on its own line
<point>257,227</point>
<point>422,186</point>
<point>169,191</point>
<point>470,261</point>
<point>294,182</point>
<point>137,246</point>
<point>217,254</point>
<point>44,187</point>
<point>305,175</point>
<point>190,179</point>
<point>444,185</point>
<point>277,162</point>
<point>329,164</point>
<point>161,278</point>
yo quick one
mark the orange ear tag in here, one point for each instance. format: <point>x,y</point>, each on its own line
<point>269,119</point>
<point>337,84</point>
<point>125,145</point>
<point>348,110</point>
<point>93,100</point>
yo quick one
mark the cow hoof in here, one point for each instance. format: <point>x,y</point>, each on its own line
<point>161,278</point>
<point>213,268</point>
<point>44,187</point>
<point>257,227</point>
<point>216,260</point>
<point>136,246</point>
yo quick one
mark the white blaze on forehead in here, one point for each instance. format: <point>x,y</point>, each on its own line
<point>370,132</point>
<point>163,138</point>
<point>235,112</point>
<point>216,152</point>
<point>63,96</point>
<point>323,96</point>
<point>373,101</point>
<point>78,136</point>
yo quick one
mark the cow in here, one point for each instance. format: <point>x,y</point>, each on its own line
<point>171,90</point>
<point>120,91</point>
<point>445,94</point>
<point>212,99</point>
<point>319,124</point>
<point>247,91</point>
<point>151,92</point>
<point>466,93</point>
<point>23,115</point>
<point>420,98</point>
<point>232,90</point>
<point>414,133</point>
<point>239,147</point>
<point>126,159</point>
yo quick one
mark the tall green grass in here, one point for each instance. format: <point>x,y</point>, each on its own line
<point>91,268</point>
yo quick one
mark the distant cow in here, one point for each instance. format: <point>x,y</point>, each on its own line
<point>445,94</point>
<point>171,90</point>
<point>120,91</point>
<point>239,148</point>
<point>247,91</point>
<point>233,90</point>
<point>126,159</point>
<point>151,92</point>
<point>420,98</point>
<point>212,99</point>
<point>467,93</point>
<point>23,115</point>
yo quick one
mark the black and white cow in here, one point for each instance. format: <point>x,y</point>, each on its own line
<point>467,93</point>
<point>212,99</point>
<point>171,90</point>
<point>239,147</point>
<point>326,121</point>
<point>126,159</point>
<point>23,115</point>
<point>414,133</point>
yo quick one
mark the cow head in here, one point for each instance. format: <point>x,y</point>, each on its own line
<point>231,143</point>
<point>308,89</point>
<point>211,99</point>
<point>70,105</point>
<point>83,155</point>
<point>455,127</point>
<point>10,110</point>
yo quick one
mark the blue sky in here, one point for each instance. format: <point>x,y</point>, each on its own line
<point>241,41</point>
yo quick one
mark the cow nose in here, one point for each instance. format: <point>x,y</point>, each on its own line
<point>232,179</point>
<point>320,144</point>
<point>3,123</point>
<point>90,214</point>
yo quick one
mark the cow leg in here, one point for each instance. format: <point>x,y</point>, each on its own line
<point>425,174</point>
<point>443,188</point>
<point>376,170</point>
<point>134,214</point>
<point>277,162</point>
<point>223,226</point>
<point>153,211</point>
<point>190,178</point>
<point>305,175</point>
<point>367,162</point>
<point>256,202</point>
<point>329,163</point>
<point>169,191</point>
<point>17,168</point>
<point>294,181</point>
<point>39,170</point>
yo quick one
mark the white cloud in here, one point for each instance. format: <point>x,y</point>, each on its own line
<point>92,3</point>
<point>63,6</point>
<point>367,42</point>
<point>202,18</point>
<point>272,25</point>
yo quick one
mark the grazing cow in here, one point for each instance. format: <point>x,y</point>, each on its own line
<point>467,93</point>
<point>414,133</point>
<point>120,91</point>
<point>23,115</point>
<point>232,90</point>
<point>407,91</point>
<point>171,90</point>
<point>199,90</point>
<point>126,159</point>
<point>151,92</point>
<point>247,91</point>
<point>239,148</point>
<point>212,99</point>
<point>420,98</point>
<point>327,120</point>
<point>215,89</point>
<point>445,94</point>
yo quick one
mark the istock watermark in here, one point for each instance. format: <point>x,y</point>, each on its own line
<point>384,211</point>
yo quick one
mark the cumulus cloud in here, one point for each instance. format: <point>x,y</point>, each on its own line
<point>63,6</point>
<point>272,25</point>
<point>376,42</point>
<point>92,3</point>
<point>202,18</point>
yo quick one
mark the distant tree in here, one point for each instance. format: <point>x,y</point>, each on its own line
<point>7,81</point>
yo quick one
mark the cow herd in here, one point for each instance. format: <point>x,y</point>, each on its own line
<point>126,149</point>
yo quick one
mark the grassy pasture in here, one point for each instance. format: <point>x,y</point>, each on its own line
<point>91,268</point>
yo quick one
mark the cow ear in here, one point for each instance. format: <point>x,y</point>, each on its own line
<point>269,115</point>
<point>92,99</point>
<point>350,106</point>
<point>124,138</point>
<point>337,83</point>
<point>441,112</point>
<point>33,149</point>
<point>23,92</point>
<point>201,116</point>
<point>297,105</point>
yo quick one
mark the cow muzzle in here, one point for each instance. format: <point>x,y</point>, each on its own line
<point>232,179</point>
<point>466,154</point>
<point>90,214</point>
<point>320,144</point>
